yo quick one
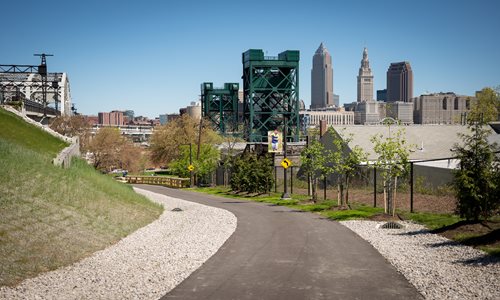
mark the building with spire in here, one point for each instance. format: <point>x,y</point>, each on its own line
<point>365,79</point>
<point>399,82</point>
<point>322,80</point>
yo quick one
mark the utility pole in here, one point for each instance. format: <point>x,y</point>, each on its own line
<point>190,165</point>
<point>42,70</point>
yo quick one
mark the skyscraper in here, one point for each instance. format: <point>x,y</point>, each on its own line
<point>365,79</point>
<point>399,82</point>
<point>322,79</point>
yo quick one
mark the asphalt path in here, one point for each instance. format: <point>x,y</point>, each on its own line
<point>280,253</point>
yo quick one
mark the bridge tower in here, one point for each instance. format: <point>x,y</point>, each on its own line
<point>271,94</point>
<point>220,106</point>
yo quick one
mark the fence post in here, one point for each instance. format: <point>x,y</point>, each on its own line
<point>411,187</point>
<point>275,180</point>
<point>324,188</point>
<point>374,187</point>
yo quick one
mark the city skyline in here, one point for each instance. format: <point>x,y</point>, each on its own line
<point>152,58</point>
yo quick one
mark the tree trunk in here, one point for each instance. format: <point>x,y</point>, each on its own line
<point>394,197</point>
<point>313,186</point>
<point>338,195</point>
<point>385,197</point>
<point>341,198</point>
<point>347,192</point>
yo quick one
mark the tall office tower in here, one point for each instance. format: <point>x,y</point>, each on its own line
<point>399,82</point>
<point>322,79</point>
<point>365,79</point>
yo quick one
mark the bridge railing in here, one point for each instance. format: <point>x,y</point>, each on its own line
<point>36,107</point>
<point>159,180</point>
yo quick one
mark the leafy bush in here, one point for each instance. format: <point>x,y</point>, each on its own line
<point>252,173</point>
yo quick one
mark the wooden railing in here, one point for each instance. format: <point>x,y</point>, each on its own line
<point>159,180</point>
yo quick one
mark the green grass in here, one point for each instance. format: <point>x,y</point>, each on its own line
<point>357,212</point>
<point>299,202</point>
<point>51,217</point>
<point>431,220</point>
<point>330,210</point>
<point>17,131</point>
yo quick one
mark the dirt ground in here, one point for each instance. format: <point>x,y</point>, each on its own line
<point>475,234</point>
<point>421,202</point>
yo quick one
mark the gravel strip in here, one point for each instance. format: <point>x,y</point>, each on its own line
<point>437,267</point>
<point>146,264</point>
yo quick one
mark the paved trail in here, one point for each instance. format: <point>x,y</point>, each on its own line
<point>278,253</point>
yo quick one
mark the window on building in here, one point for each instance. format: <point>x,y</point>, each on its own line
<point>445,103</point>
<point>467,104</point>
<point>455,104</point>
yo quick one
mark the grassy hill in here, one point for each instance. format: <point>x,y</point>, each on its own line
<point>51,217</point>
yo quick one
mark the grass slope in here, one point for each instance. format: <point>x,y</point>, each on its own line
<point>51,217</point>
<point>17,131</point>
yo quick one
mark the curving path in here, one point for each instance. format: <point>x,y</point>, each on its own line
<point>279,253</point>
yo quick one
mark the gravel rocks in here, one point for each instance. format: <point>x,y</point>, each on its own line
<point>437,267</point>
<point>146,264</point>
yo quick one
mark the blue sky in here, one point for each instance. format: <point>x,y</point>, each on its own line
<point>152,56</point>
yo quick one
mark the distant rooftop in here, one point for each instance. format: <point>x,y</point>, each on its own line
<point>428,141</point>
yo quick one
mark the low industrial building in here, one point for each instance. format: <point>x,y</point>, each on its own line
<point>441,108</point>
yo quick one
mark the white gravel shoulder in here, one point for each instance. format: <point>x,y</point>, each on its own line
<point>146,264</point>
<point>437,267</point>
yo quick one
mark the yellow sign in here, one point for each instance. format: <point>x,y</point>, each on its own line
<point>285,163</point>
<point>190,167</point>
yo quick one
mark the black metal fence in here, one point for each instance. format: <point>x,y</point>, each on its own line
<point>425,188</point>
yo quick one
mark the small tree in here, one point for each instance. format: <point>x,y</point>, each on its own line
<point>167,139</point>
<point>477,181</point>
<point>227,158</point>
<point>345,162</point>
<point>393,153</point>
<point>314,164</point>
<point>111,150</point>
<point>73,126</point>
<point>203,167</point>
<point>486,108</point>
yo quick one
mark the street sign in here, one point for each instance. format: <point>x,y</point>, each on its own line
<point>285,163</point>
<point>190,168</point>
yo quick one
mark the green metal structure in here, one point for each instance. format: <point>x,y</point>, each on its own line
<point>220,106</point>
<point>271,94</point>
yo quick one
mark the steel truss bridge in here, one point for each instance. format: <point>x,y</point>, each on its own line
<point>271,94</point>
<point>220,106</point>
<point>41,93</point>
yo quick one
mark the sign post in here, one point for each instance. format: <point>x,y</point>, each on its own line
<point>285,161</point>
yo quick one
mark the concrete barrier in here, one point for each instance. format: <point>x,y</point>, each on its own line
<point>64,157</point>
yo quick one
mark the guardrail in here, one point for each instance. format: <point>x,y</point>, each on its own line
<point>159,180</point>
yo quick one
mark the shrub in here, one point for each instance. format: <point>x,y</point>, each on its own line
<point>252,173</point>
